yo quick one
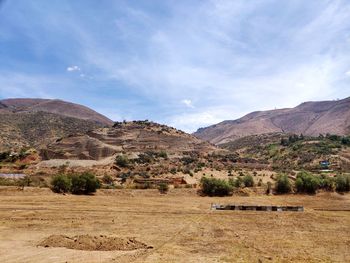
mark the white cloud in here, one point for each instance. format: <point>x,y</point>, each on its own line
<point>347,73</point>
<point>188,103</point>
<point>73,68</point>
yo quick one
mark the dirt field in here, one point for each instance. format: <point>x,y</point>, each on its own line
<point>179,226</point>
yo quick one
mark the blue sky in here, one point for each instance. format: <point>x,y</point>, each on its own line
<point>184,63</point>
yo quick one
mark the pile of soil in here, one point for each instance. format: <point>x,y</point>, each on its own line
<point>98,243</point>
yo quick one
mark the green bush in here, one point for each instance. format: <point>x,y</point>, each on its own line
<point>307,183</point>
<point>163,188</point>
<point>342,183</point>
<point>327,183</point>
<point>238,182</point>
<point>85,183</point>
<point>283,185</point>
<point>215,187</point>
<point>122,161</point>
<point>248,181</point>
<point>61,184</point>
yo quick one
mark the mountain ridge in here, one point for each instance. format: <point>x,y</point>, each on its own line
<point>310,118</point>
<point>56,106</point>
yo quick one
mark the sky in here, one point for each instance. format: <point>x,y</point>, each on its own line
<point>184,63</point>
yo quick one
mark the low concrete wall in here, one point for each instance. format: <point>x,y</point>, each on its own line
<point>257,208</point>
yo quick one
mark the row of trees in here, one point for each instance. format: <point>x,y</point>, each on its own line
<point>85,183</point>
<point>309,183</point>
<point>305,183</point>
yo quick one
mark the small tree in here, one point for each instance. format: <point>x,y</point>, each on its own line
<point>307,183</point>
<point>85,183</point>
<point>248,181</point>
<point>283,185</point>
<point>342,183</point>
<point>61,184</point>
<point>163,188</point>
<point>122,161</point>
<point>215,187</point>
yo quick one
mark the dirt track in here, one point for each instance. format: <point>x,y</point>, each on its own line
<point>179,226</point>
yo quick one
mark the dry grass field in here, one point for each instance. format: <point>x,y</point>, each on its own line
<point>179,226</point>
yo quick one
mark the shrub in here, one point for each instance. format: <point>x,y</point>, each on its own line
<point>269,188</point>
<point>342,183</point>
<point>283,185</point>
<point>85,183</point>
<point>163,154</point>
<point>163,188</point>
<point>327,183</point>
<point>122,161</point>
<point>107,179</point>
<point>248,181</point>
<point>61,184</point>
<point>238,182</point>
<point>215,187</point>
<point>307,183</point>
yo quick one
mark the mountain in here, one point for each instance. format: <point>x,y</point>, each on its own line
<point>309,118</point>
<point>38,122</point>
<point>129,138</point>
<point>59,107</point>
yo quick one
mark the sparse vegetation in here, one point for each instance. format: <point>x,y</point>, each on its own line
<point>122,161</point>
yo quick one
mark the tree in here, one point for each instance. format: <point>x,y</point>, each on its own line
<point>85,183</point>
<point>61,184</point>
<point>122,161</point>
<point>283,185</point>
<point>248,181</point>
<point>163,188</point>
<point>307,183</point>
<point>215,187</point>
<point>342,183</point>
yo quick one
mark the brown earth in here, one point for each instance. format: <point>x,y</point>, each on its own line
<point>309,118</point>
<point>180,226</point>
<point>59,107</point>
<point>130,138</point>
<point>95,243</point>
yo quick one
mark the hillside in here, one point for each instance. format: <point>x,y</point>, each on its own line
<point>129,138</point>
<point>309,118</point>
<point>36,129</point>
<point>59,107</point>
<point>38,122</point>
<point>294,152</point>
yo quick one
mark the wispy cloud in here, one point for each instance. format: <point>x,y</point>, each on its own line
<point>188,103</point>
<point>225,57</point>
<point>73,68</point>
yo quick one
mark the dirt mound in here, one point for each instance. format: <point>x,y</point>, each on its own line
<point>97,243</point>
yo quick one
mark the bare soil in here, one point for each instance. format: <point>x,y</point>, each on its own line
<point>180,226</point>
<point>97,243</point>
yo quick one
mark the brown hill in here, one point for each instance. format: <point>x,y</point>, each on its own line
<point>59,107</point>
<point>37,129</point>
<point>126,138</point>
<point>309,118</point>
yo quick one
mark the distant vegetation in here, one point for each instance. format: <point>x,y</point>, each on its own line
<point>215,187</point>
<point>85,183</point>
<point>283,185</point>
